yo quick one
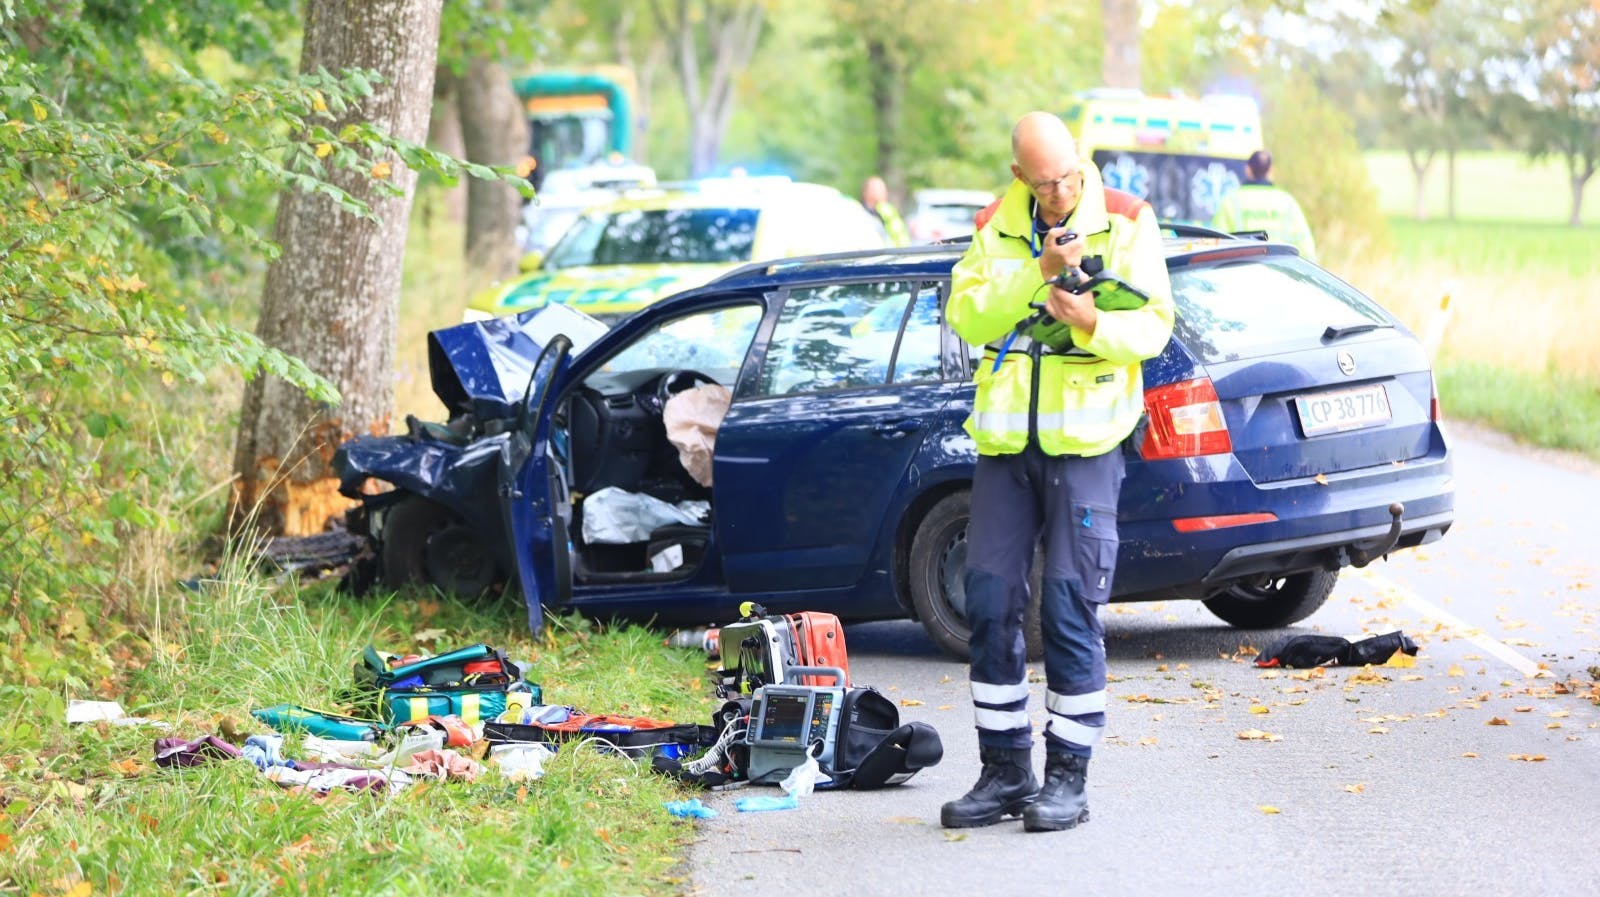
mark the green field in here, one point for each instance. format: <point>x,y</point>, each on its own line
<point>1490,186</point>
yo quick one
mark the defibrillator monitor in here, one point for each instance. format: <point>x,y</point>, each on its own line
<point>784,718</point>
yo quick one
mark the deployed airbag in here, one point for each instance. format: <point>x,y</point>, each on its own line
<point>692,418</point>
<point>619,517</point>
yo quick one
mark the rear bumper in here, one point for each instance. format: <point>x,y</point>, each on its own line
<point>1325,550</point>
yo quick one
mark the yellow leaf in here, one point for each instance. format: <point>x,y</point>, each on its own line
<point>317,102</point>
<point>1401,660</point>
<point>324,150</point>
<point>1356,788</point>
<point>1523,709</point>
<point>81,889</point>
<point>1161,668</point>
<point>1378,730</point>
<point>40,113</point>
<point>910,702</point>
<point>1496,721</point>
<point>1560,714</point>
<point>1152,740</point>
<point>955,836</point>
<point>1470,755</point>
<point>1259,708</point>
<point>1258,735</point>
<point>1455,671</point>
<point>1269,809</point>
<point>947,706</point>
<point>381,170</point>
<point>1528,758</point>
<point>1321,479</point>
<point>1552,725</point>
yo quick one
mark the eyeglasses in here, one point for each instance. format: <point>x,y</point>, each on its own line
<point>1072,180</point>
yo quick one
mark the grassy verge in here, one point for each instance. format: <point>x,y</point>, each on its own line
<point>1550,410</point>
<point>86,811</point>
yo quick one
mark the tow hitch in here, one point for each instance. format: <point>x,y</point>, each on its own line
<point>1362,555</point>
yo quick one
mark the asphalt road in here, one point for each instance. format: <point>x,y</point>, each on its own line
<point>1402,785</point>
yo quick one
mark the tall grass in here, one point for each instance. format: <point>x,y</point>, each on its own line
<point>1495,186</point>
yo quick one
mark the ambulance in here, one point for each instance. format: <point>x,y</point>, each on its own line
<point>1180,154</point>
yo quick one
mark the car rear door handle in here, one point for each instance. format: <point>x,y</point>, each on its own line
<point>897,429</point>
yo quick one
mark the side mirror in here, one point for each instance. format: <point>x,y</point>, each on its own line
<point>530,262</point>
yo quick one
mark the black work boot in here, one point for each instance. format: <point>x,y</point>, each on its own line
<point>1061,804</point>
<point>1005,787</point>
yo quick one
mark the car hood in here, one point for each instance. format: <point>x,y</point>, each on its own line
<point>599,289</point>
<point>485,367</point>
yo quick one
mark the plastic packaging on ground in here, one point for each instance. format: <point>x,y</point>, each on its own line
<point>521,761</point>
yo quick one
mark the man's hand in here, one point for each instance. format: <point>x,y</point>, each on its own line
<point>1076,309</point>
<point>1055,259</point>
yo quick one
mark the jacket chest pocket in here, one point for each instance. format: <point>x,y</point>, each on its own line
<point>1094,529</point>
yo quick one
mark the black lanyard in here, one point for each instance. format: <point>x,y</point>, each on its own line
<point>1036,239</point>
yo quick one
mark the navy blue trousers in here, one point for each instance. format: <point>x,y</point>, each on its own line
<point>1069,504</point>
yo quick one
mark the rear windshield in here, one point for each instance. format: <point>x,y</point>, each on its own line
<point>1262,306</point>
<point>639,237</point>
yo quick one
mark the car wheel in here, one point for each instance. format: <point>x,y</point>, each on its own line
<point>938,590</point>
<point>428,544</point>
<point>1275,602</point>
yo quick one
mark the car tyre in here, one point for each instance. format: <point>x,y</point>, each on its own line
<point>425,543</point>
<point>1276,602</point>
<point>938,592</point>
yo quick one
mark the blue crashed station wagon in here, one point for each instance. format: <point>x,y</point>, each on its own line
<point>1292,429</point>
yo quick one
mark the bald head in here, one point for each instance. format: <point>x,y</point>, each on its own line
<point>1045,157</point>
<point>874,191</point>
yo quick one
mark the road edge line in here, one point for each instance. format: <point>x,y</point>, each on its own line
<point>1473,634</point>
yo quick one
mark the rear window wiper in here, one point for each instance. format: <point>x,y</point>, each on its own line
<point>1333,333</point>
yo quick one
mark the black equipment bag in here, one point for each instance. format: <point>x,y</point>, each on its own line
<point>873,749</point>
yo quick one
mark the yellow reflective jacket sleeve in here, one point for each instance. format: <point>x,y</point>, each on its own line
<point>990,292</point>
<point>1132,335</point>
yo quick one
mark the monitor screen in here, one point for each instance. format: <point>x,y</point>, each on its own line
<point>784,717</point>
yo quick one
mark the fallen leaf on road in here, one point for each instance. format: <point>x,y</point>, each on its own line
<point>1258,708</point>
<point>1269,809</point>
<point>955,836</point>
<point>1268,674</point>
<point>1552,725</point>
<point>910,702</point>
<point>1521,643</point>
<point>1497,721</point>
<point>1470,755</point>
<point>1147,741</point>
<point>1367,676</point>
<point>1356,788</point>
<point>1305,675</point>
<point>1412,678</point>
<point>1401,660</point>
<point>1560,714</point>
<point>1161,668</point>
<point>1258,735</point>
<point>1455,670</point>
<point>944,680</point>
<point>1523,709</point>
<point>1528,758</point>
<point>947,706</point>
<point>1378,730</point>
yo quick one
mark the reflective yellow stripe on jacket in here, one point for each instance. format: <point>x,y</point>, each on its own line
<point>1090,400</point>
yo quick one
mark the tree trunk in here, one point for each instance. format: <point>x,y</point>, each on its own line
<point>1420,162</point>
<point>444,135</point>
<point>1578,184</point>
<point>1450,183</point>
<point>885,80</point>
<point>706,73</point>
<point>495,132</point>
<point>1120,65</point>
<point>331,297</point>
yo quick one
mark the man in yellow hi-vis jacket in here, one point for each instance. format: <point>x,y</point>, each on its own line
<point>1259,204</point>
<point>1049,417</point>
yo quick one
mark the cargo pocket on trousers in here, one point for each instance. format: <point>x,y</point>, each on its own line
<point>1096,546</point>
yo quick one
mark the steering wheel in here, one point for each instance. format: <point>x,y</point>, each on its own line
<point>674,382</point>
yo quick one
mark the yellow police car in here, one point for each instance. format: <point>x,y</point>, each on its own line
<point>620,257</point>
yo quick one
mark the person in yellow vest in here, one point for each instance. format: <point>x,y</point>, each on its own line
<point>875,196</point>
<point>1259,204</point>
<point>1052,409</point>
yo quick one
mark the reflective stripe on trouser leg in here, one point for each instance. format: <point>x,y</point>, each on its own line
<point>1080,558</point>
<point>1001,534</point>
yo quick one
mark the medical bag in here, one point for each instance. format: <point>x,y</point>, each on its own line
<point>474,683</point>
<point>760,648</point>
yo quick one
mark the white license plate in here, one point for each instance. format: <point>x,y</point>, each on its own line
<point>1345,409</point>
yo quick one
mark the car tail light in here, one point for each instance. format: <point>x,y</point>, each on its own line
<point>1433,401</point>
<point>1220,521</point>
<point>1185,421</point>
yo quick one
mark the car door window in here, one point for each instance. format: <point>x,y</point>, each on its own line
<point>839,336</point>
<point>711,342</point>
<point>921,344</point>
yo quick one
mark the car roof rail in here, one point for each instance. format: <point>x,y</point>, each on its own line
<point>939,248</point>
<point>1200,230</point>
